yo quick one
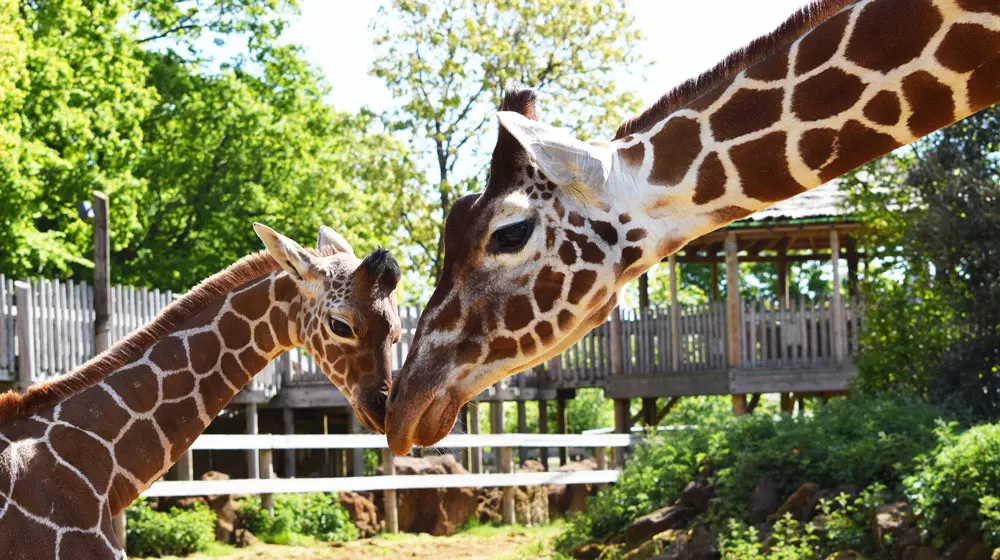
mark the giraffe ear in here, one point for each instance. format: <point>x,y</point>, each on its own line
<point>295,260</point>
<point>332,242</point>
<point>563,158</point>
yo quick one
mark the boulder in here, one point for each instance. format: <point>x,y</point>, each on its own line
<point>437,511</point>
<point>979,551</point>
<point>670,517</point>
<point>891,523</point>
<point>696,495</point>
<point>919,553</point>
<point>567,498</point>
<point>845,555</point>
<point>800,503</point>
<point>697,544</point>
<point>363,512</point>
<point>963,548</point>
<point>831,495</point>
<point>653,546</point>
<point>586,551</point>
<point>490,503</point>
<point>763,500</point>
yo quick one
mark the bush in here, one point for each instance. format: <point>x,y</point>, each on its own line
<point>845,524</point>
<point>959,482</point>
<point>318,516</point>
<point>654,476</point>
<point>849,441</point>
<point>179,532</point>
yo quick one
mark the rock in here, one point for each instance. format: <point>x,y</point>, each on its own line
<point>363,512</point>
<point>919,553</point>
<point>831,495</point>
<point>569,498</point>
<point>891,522</point>
<point>963,547</point>
<point>490,502</point>
<point>531,503</point>
<point>800,503</point>
<point>653,546</point>
<point>586,551</point>
<point>670,517</point>
<point>696,495</point>
<point>437,511</point>
<point>763,500</point>
<point>845,555</point>
<point>697,544</point>
<point>979,551</point>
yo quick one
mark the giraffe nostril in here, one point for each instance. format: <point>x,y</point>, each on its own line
<point>393,391</point>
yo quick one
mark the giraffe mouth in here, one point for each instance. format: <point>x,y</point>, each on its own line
<point>422,423</point>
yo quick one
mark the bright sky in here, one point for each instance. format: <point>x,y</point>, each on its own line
<point>683,37</point>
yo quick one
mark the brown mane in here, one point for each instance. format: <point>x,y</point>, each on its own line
<point>760,48</point>
<point>14,404</point>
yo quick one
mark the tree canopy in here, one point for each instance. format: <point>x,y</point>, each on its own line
<point>118,96</point>
<point>447,63</point>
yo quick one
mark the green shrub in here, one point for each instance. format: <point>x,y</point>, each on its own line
<point>314,516</point>
<point>844,524</point>
<point>653,476</point>
<point>849,441</point>
<point>959,482</point>
<point>179,532</point>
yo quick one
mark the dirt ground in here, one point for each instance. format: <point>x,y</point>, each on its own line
<point>480,543</point>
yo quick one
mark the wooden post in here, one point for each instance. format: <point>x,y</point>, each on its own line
<point>561,426</point>
<point>543,427</point>
<point>644,292</point>
<point>267,473</point>
<point>852,267</point>
<point>102,274</point>
<point>288,419</point>
<point>616,342</point>
<point>507,466</point>
<point>649,411</point>
<point>496,427</point>
<point>675,317</point>
<point>357,455</point>
<point>476,452</point>
<point>389,496</point>
<point>25,328</point>
<point>714,289</point>
<point>253,455</point>
<point>839,330</point>
<point>522,427</point>
<point>185,466</point>
<point>782,266</point>
<point>102,303</point>
<point>787,403</point>
<point>734,319</point>
<point>622,421</point>
<point>600,455</point>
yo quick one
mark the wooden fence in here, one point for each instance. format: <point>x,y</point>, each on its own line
<point>390,482</point>
<point>60,319</point>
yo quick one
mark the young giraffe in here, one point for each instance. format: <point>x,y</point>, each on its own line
<point>537,260</point>
<point>76,451</point>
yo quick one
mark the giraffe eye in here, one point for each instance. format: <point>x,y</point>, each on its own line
<point>341,328</point>
<point>511,239</point>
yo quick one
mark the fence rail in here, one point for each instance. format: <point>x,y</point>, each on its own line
<point>390,482</point>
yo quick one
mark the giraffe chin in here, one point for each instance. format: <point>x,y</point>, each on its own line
<point>422,423</point>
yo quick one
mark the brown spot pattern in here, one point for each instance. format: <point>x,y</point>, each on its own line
<point>138,387</point>
<point>565,320</point>
<point>235,331</point>
<point>548,288</point>
<point>633,155</point>
<point>989,6</point>
<point>204,348</point>
<point>544,331</point>
<point>501,349</point>
<point>279,321</point>
<point>967,46</point>
<point>252,362</point>
<point>581,284</point>
<point>567,253</point>
<point>883,108</point>
<point>711,180</point>
<point>97,410</point>
<point>728,214</point>
<point>890,33</point>
<point>214,393</point>
<point>774,67</point>
<point>634,235</point>
<point>821,43</point>
<point>252,303</point>
<point>262,337</point>
<point>449,315</point>
<point>590,252</point>
<point>763,168</point>
<point>630,255</point>
<point>856,144</point>
<point>467,352</point>
<point>826,94</point>
<point>748,110</point>
<point>181,424</point>
<point>527,344</point>
<point>139,451</point>
<point>984,87</point>
<point>169,354</point>
<point>605,231</point>
<point>816,146</point>
<point>84,452</point>
<point>518,312</point>
<point>674,148</point>
<point>177,385</point>
<point>930,102</point>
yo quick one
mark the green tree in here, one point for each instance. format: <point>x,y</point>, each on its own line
<point>447,61</point>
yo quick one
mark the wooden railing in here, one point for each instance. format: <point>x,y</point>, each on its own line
<point>390,482</point>
<point>59,336</point>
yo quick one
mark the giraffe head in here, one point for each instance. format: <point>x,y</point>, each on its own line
<point>530,265</point>
<point>347,317</point>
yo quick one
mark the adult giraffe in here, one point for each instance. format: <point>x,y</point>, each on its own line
<point>537,260</point>
<point>76,451</point>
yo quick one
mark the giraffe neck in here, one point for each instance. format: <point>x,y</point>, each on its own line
<point>870,78</point>
<point>125,431</point>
